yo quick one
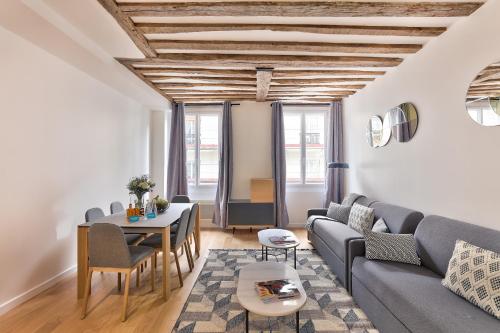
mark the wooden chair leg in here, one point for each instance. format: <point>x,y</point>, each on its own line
<point>142,268</point>
<point>185,245</point>
<point>119,281</point>
<point>197,250</point>
<point>138,277</point>
<point>153,264</point>
<point>156,260</point>
<point>125,296</point>
<point>146,264</point>
<point>189,256</point>
<point>190,239</point>
<point>178,267</point>
<point>87,292</point>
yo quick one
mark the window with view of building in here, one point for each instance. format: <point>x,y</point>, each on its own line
<point>202,147</point>
<point>305,148</point>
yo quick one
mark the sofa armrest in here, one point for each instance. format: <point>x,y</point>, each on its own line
<point>356,248</point>
<point>317,211</point>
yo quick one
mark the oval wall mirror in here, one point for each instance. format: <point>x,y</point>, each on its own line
<point>404,122</point>
<point>386,129</point>
<point>483,97</point>
<point>374,131</point>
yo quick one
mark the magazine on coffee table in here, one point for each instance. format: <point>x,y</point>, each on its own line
<point>276,290</point>
<point>282,240</point>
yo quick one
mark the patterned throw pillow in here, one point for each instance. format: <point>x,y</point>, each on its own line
<point>392,247</point>
<point>474,274</point>
<point>361,218</point>
<point>380,226</point>
<point>338,212</point>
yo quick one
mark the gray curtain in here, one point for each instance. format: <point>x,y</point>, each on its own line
<point>335,153</point>
<point>176,174</point>
<point>279,165</point>
<point>225,169</point>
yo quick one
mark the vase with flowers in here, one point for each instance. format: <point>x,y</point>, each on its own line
<point>139,186</point>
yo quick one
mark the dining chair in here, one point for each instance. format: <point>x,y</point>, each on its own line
<point>116,207</point>
<point>190,232</point>
<point>180,199</point>
<point>177,241</point>
<point>109,252</point>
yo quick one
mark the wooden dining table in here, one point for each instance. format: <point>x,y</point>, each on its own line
<point>160,225</point>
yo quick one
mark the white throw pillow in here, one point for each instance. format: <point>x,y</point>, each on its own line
<point>361,218</point>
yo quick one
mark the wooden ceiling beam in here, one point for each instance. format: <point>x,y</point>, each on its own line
<point>322,81</point>
<point>205,85</point>
<point>196,72</point>
<point>267,61</point>
<point>128,25</point>
<point>244,81</point>
<point>172,28</point>
<point>264,76</point>
<point>324,73</point>
<point>217,45</point>
<point>302,9</point>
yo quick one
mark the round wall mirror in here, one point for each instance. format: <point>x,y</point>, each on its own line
<point>386,131</point>
<point>404,122</point>
<point>483,96</point>
<point>374,131</point>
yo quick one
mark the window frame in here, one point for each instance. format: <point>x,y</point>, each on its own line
<point>303,111</point>
<point>197,149</point>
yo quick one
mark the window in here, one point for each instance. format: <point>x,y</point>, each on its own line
<point>305,148</point>
<point>202,147</point>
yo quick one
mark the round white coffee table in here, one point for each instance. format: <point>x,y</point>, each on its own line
<point>264,236</point>
<point>266,271</point>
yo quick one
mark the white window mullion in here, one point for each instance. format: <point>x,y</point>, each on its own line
<point>198,142</point>
<point>303,156</point>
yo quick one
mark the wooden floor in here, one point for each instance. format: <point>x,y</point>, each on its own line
<point>58,310</point>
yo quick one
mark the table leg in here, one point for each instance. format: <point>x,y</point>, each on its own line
<point>286,254</point>
<point>262,252</point>
<point>166,263</point>
<point>197,233</point>
<point>82,260</point>
<point>295,257</point>
<point>246,321</point>
<point>266,253</point>
<point>297,322</point>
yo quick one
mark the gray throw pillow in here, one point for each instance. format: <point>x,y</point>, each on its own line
<point>392,247</point>
<point>380,226</point>
<point>474,274</point>
<point>338,212</point>
<point>361,218</point>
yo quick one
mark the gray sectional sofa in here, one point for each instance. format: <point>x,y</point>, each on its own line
<point>397,297</point>
<point>402,298</point>
<point>331,239</point>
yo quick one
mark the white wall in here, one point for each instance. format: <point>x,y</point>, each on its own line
<point>73,133</point>
<point>158,150</point>
<point>450,167</point>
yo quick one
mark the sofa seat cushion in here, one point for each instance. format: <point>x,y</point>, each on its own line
<point>336,235</point>
<point>415,296</point>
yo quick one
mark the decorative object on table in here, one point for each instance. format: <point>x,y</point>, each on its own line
<point>161,204</point>
<point>474,274</point>
<point>140,186</point>
<point>276,290</point>
<point>150,211</point>
<point>281,240</point>
<point>403,121</point>
<point>483,97</point>
<point>212,306</point>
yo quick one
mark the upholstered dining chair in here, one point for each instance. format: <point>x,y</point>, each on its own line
<point>190,232</point>
<point>116,207</point>
<point>180,199</point>
<point>109,252</point>
<point>177,241</point>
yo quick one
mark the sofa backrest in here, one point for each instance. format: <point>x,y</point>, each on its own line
<point>398,219</point>
<point>364,201</point>
<point>436,237</point>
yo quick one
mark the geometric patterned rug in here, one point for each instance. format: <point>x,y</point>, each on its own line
<point>213,306</point>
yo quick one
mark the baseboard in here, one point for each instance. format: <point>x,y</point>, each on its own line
<point>296,225</point>
<point>13,302</point>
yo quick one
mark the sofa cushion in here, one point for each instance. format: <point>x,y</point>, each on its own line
<point>436,237</point>
<point>338,212</point>
<point>336,235</point>
<point>361,218</point>
<point>415,296</point>
<point>399,220</point>
<point>391,247</point>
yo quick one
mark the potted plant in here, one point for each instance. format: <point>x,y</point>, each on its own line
<point>139,186</point>
<point>161,204</point>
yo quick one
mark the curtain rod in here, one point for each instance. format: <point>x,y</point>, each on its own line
<point>207,104</point>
